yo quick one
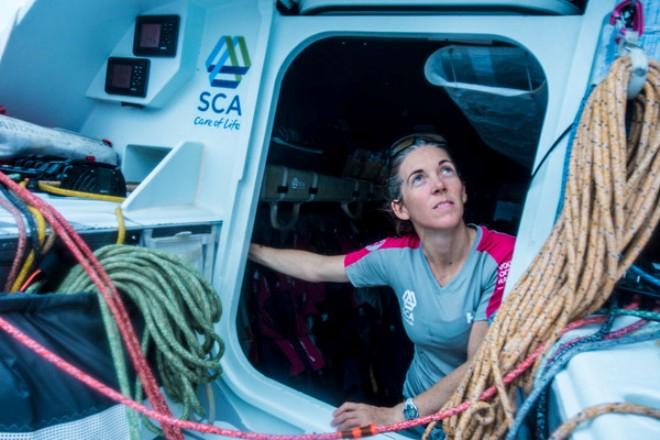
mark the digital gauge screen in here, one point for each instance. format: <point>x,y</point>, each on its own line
<point>156,35</point>
<point>150,35</point>
<point>127,76</point>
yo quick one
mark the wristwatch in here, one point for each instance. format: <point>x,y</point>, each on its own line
<point>410,410</point>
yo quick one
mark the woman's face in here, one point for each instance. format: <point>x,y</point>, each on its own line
<point>432,193</point>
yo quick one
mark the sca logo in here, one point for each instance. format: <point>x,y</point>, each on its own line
<point>224,60</point>
<point>227,63</point>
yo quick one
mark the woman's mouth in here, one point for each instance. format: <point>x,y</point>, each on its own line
<point>445,204</point>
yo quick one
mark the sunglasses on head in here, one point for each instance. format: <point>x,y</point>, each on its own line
<point>410,140</point>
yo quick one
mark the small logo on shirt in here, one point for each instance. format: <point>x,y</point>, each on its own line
<point>409,303</point>
<point>374,246</point>
<point>503,273</point>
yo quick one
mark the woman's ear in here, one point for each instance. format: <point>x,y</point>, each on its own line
<point>464,196</point>
<point>399,210</point>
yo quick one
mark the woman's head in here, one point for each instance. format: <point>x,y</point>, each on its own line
<point>424,187</point>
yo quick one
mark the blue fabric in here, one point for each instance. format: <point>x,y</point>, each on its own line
<point>34,394</point>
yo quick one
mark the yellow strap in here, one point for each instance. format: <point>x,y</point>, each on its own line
<point>51,189</point>
<point>121,226</point>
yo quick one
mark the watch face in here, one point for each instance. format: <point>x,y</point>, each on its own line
<point>408,413</point>
<point>410,410</point>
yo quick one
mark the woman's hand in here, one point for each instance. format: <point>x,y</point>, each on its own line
<point>253,252</point>
<point>352,415</point>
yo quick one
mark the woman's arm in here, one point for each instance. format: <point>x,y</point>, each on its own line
<point>304,265</point>
<point>431,400</point>
<point>351,415</point>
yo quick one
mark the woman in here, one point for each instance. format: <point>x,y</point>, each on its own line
<point>448,276</point>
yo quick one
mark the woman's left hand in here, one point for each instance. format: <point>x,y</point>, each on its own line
<point>352,415</point>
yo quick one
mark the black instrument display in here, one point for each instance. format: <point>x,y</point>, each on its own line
<point>127,76</point>
<point>156,35</point>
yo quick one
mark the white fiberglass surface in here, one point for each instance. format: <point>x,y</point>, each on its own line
<point>620,374</point>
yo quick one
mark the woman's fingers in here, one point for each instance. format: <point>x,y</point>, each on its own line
<point>350,420</point>
<point>349,423</point>
<point>344,414</point>
<point>352,415</point>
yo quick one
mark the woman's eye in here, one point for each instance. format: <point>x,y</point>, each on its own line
<point>447,171</point>
<point>417,179</point>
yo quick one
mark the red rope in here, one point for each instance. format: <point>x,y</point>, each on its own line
<point>168,420</point>
<point>156,415</point>
<point>96,272</point>
<point>102,281</point>
<point>29,280</point>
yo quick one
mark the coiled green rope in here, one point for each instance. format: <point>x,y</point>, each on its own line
<point>179,309</point>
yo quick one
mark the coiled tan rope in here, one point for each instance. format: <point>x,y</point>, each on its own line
<point>598,410</point>
<point>610,210</point>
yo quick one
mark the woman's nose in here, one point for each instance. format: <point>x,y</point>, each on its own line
<point>439,184</point>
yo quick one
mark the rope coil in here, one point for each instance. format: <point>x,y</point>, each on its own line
<point>611,208</point>
<point>179,309</point>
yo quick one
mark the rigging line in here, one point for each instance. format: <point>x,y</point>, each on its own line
<point>612,174</point>
<point>84,255</point>
<point>35,254</point>
<point>21,243</point>
<point>550,150</point>
<point>556,368</point>
<point>597,410</point>
<point>24,210</point>
<point>165,418</point>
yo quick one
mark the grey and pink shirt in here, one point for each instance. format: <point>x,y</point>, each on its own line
<point>436,318</point>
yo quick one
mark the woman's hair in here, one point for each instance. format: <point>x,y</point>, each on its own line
<point>396,154</point>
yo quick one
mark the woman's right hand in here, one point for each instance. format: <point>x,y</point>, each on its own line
<point>253,252</point>
<point>354,415</point>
